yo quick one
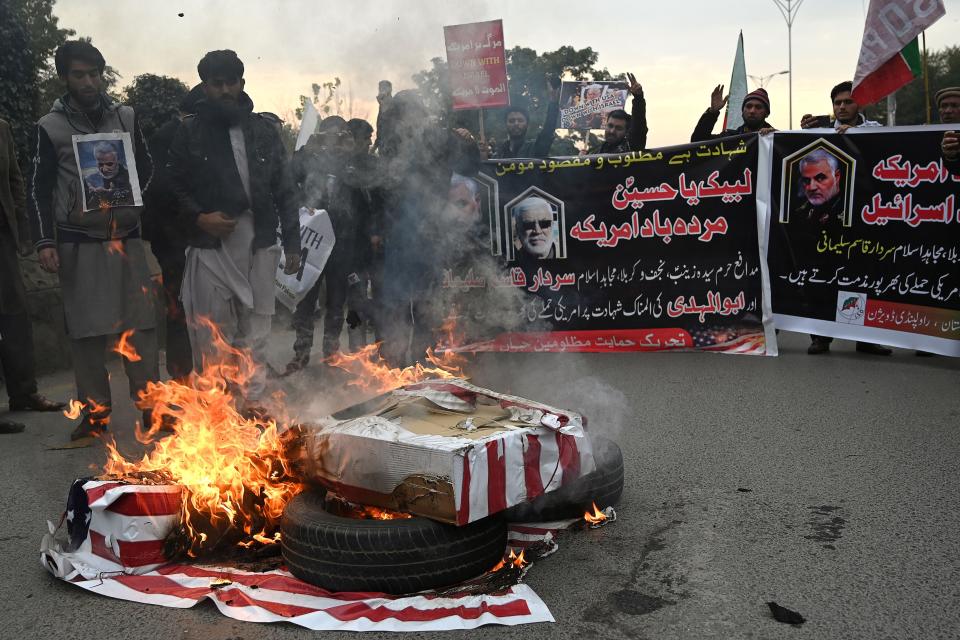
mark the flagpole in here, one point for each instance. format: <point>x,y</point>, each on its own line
<point>926,75</point>
<point>789,9</point>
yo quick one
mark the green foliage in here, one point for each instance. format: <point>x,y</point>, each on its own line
<point>943,68</point>
<point>527,72</point>
<point>326,99</point>
<point>155,99</point>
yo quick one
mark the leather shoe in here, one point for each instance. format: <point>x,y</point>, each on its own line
<point>89,427</point>
<point>9,426</point>
<point>873,349</point>
<point>35,402</point>
<point>817,347</point>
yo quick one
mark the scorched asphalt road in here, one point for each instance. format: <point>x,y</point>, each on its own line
<point>829,484</point>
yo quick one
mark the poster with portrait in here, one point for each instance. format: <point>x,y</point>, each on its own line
<point>865,237</point>
<point>585,104</point>
<point>108,170</point>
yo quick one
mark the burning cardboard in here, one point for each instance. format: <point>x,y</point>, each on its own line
<point>446,450</point>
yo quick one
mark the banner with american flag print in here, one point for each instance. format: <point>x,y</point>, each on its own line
<point>114,548</point>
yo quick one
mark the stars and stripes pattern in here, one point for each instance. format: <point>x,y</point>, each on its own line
<point>121,528</point>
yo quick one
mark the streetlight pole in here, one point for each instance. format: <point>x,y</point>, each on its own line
<point>762,80</point>
<point>789,9</point>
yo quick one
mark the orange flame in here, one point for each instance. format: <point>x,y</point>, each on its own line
<point>231,466</point>
<point>596,518</point>
<point>125,349</point>
<point>73,411</point>
<point>372,373</point>
<point>513,560</point>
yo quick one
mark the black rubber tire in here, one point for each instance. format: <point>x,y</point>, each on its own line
<point>388,556</point>
<point>604,486</point>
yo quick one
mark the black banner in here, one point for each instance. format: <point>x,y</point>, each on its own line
<point>641,251</point>
<point>865,237</point>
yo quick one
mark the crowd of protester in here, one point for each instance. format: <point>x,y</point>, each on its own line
<point>217,185</point>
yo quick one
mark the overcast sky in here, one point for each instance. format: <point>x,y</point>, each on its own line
<point>678,50</point>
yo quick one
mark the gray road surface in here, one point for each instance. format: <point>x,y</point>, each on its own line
<point>852,463</point>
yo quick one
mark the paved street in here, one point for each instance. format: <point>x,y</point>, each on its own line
<point>829,484</point>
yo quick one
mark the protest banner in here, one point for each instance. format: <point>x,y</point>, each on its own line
<point>865,237</point>
<point>585,104</point>
<point>631,252</point>
<point>316,242</point>
<point>477,63</point>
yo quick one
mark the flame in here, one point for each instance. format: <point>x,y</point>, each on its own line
<point>370,371</point>
<point>512,560</point>
<point>125,349</point>
<point>231,466</point>
<point>596,518</point>
<point>375,513</point>
<point>73,411</point>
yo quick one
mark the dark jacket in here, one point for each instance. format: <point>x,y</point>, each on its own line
<point>13,195</point>
<point>56,201</point>
<point>167,239</point>
<point>204,177</point>
<point>538,147</point>
<point>636,138</point>
<point>705,125</point>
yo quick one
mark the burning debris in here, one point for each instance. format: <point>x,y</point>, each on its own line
<point>599,518</point>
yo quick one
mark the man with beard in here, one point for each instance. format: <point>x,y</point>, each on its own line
<point>229,171</point>
<point>948,104</point>
<point>110,185</point>
<point>517,120</point>
<point>755,111</point>
<point>625,133</point>
<point>846,112</point>
<point>533,224</point>
<point>820,181</point>
<point>98,255</point>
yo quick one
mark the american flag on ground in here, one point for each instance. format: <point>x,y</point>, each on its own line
<point>718,338</point>
<point>116,534</point>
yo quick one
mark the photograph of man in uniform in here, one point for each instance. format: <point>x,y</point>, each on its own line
<point>820,185</point>
<point>106,183</point>
<point>533,224</point>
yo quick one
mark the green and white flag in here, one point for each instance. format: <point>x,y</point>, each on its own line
<point>733,117</point>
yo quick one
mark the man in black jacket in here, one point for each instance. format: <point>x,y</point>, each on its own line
<point>229,171</point>
<point>755,110</point>
<point>625,133</point>
<point>517,120</point>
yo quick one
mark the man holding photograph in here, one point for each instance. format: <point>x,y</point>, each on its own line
<point>98,255</point>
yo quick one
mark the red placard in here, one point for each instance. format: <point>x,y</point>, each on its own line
<point>478,65</point>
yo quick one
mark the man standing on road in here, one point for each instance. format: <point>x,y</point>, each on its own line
<point>229,171</point>
<point>846,112</point>
<point>755,110</point>
<point>625,133</point>
<point>98,254</point>
<point>16,332</point>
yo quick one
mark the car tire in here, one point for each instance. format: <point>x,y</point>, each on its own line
<point>388,556</point>
<point>604,486</point>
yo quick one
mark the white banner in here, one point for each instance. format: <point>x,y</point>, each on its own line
<point>316,244</point>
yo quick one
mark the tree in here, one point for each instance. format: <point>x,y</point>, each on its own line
<point>527,72</point>
<point>156,99</point>
<point>943,68</point>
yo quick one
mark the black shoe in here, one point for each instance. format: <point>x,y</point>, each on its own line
<point>90,427</point>
<point>9,426</point>
<point>817,347</point>
<point>925,354</point>
<point>873,349</point>
<point>35,402</point>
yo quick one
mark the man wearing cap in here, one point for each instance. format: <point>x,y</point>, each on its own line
<point>755,109</point>
<point>846,112</point>
<point>229,172</point>
<point>948,103</point>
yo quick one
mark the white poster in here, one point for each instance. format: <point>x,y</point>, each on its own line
<point>108,170</point>
<point>316,243</point>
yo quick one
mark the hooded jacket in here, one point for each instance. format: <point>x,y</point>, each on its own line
<point>204,176</point>
<point>55,196</point>
<point>702,131</point>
